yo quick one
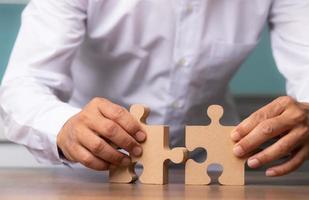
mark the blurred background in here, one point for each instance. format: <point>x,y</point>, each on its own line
<point>256,83</point>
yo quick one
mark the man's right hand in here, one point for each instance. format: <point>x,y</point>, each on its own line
<point>89,136</point>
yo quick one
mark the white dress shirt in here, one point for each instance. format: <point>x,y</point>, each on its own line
<point>176,56</point>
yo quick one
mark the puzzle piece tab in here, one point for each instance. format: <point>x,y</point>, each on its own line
<point>215,139</point>
<point>156,153</point>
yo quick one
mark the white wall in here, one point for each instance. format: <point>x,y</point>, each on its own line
<point>2,137</point>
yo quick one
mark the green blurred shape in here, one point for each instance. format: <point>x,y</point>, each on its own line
<point>259,74</point>
<point>9,25</point>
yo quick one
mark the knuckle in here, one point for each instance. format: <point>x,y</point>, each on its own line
<point>110,129</point>
<point>71,146</point>
<point>118,112</point>
<point>76,133</point>
<point>278,107</point>
<point>303,132</point>
<point>245,145</point>
<point>132,126</point>
<point>299,116</point>
<point>72,139</point>
<point>96,100</point>
<point>98,147</point>
<point>242,129</point>
<point>87,160</point>
<point>264,157</point>
<point>259,116</point>
<point>283,148</point>
<point>129,143</point>
<point>286,100</point>
<point>266,128</point>
<point>82,118</point>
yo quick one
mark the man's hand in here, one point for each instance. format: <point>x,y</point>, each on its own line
<point>87,136</point>
<point>284,118</point>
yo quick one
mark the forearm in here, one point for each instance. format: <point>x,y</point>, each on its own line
<point>33,116</point>
<point>37,83</point>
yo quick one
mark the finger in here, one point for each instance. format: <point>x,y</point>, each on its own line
<point>270,128</point>
<point>82,155</point>
<point>289,166</point>
<point>121,116</point>
<point>271,110</point>
<point>280,149</point>
<point>266,130</point>
<point>111,131</point>
<point>102,149</point>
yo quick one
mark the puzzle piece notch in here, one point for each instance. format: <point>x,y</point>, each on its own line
<point>156,153</point>
<point>215,139</point>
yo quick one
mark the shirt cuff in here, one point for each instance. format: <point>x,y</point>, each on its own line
<point>52,123</point>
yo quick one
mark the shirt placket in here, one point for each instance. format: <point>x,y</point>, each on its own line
<point>184,51</point>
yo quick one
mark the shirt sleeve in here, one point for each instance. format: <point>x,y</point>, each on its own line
<point>289,29</point>
<point>37,83</point>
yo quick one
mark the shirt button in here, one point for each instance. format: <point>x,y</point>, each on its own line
<point>176,104</point>
<point>189,8</point>
<point>182,62</point>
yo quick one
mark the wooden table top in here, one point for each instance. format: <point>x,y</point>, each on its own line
<point>66,184</point>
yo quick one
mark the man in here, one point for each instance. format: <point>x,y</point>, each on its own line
<point>77,64</point>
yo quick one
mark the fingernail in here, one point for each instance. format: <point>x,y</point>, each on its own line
<point>253,163</point>
<point>238,151</point>
<point>235,136</point>
<point>125,161</point>
<point>270,172</point>
<point>140,136</point>
<point>137,151</point>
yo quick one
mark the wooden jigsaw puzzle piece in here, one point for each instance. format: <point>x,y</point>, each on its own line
<point>215,139</point>
<point>155,167</point>
<point>156,152</point>
<point>233,167</point>
<point>196,173</point>
<point>233,172</point>
<point>122,174</point>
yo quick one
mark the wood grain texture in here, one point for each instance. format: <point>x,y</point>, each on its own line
<point>81,184</point>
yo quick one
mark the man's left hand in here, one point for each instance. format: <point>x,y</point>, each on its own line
<point>283,118</point>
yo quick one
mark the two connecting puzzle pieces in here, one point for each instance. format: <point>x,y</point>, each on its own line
<point>214,138</point>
